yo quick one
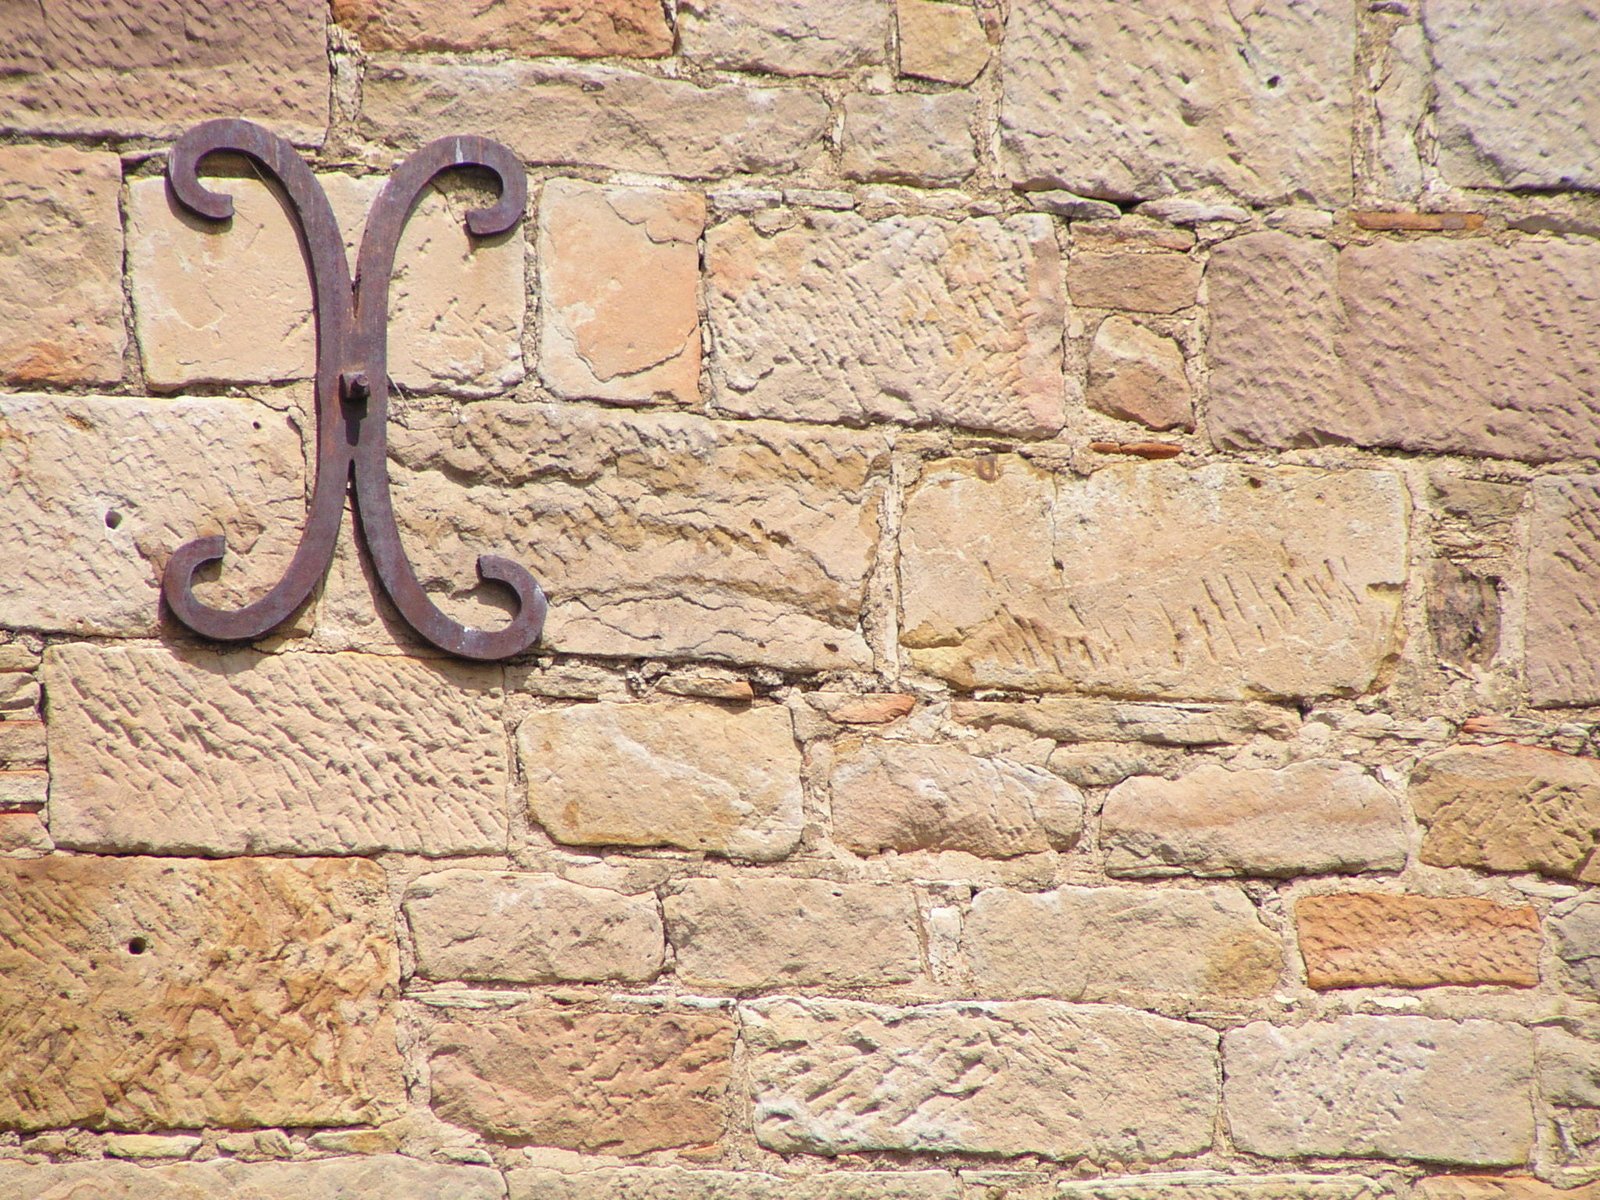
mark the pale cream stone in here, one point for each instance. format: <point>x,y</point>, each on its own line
<point>574,28</point>
<point>605,1182</point>
<point>1214,1185</point>
<point>1375,939</point>
<point>1562,636</point>
<point>1499,1187</point>
<point>22,743</point>
<point>1073,719</point>
<point>1138,375</point>
<point>382,1177</point>
<point>151,1145</point>
<point>1575,934</point>
<point>910,137</point>
<point>788,37</point>
<point>19,695</point>
<point>941,41</point>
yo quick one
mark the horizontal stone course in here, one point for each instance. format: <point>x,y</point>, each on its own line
<point>1215,1185</point>
<point>379,1177</point>
<point>592,29</point>
<point>683,1183</point>
<point>810,37</point>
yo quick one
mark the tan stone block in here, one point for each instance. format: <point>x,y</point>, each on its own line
<point>679,1183</point>
<point>108,487</point>
<point>910,137</point>
<point>774,933</point>
<point>1074,719</point>
<point>151,1145</point>
<point>20,656</point>
<point>1509,808</point>
<point>597,116</point>
<point>905,796</point>
<point>60,266</point>
<point>23,832</point>
<point>497,925</point>
<point>1376,939</point>
<point>1151,283</point>
<point>613,1083</point>
<point>22,743</point>
<point>1498,1187</point>
<point>381,1177</point>
<point>19,696</point>
<point>1562,635</point>
<point>867,708</point>
<point>1027,1077</point>
<point>789,37</point>
<point>168,993</point>
<point>238,752</point>
<point>1575,933</point>
<point>1306,819</point>
<point>571,28</point>
<point>1108,943</point>
<point>698,776</point>
<point>1381,1087</point>
<point>941,41</point>
<point>1136,101</point>
<point>154,68</point>
<point>1152,580</point>
<point>1214,1185</point>
<point>907,318</point>
<point>1138,375</point>
<point>601,250</point>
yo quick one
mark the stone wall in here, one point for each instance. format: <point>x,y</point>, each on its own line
<point>1073,670</point>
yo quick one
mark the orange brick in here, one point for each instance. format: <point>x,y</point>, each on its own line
<point>1377,939</point>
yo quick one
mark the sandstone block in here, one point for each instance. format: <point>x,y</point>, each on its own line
<point>908,318</point>
<point>910,137</point>
<point>196,751</point>
<point>1392,1087</point>
<point>1104,943</point>
<point>1562,636</point>
<point>103,489</point>
<point>614,1083</point>
<point>697,776</point>
<point>1306,819</point>
<point>582,29</point>
<point>1376,939</point>
<point>496,925</point>
<point>601,251</point>
<point>1214,1185</point>
<point>905,796</point>
<point>1073,719</point>
<point>1152,283</point>
<point>862,708</point>
<point>142,993</point>
<point>1509,808</point>
<point>19,696</point>
<point>772,933</point>
<point>1497,1187</point>
<point>1026,1077</point>
<point>941,41</point>
<point>1575,933</point>
<point>1152,580</point>
<point>22,743</point>
<point>1134,102</point>
<point>151,1145</point>
<point>23,833</point>
<point>678,1183</point>
<point>1138,375</point>
<point>788,37</point>
<point>380,1177</point>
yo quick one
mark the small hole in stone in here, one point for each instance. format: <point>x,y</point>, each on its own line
<point>137,945</point>
<point>255,424</point>
<point>1253,482</point>
<point>113,518</point>
<point>1274,80</point>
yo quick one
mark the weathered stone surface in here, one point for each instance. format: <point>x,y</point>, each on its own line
<point>1509,808</point>
<point>1071,719</point>
<point>102,489</point>
<point>1575,933</point>
<point>19,695</point>
<point>1032,1076</point>
<point>678,1183</point>
<point>1498,1187</point>
<point>910,137</point>
<point>1103,943</point>
<point>381,1177</point>
<point>157,67</point>
<point>597,116</point>
<point>1390,1087</point>
<point>699,776</point>
<point>908,318</point>
<point>770,933</point>
<point>1308,818</point>
<point>1138,375</point>
<point>572,28</point>
<point>862,708</point>
<point>1152,283</point>
<point>60,266</point>
<point>244,753</point>
<point>941,41</point>
<point>455,302</point>
<point>602,251</point>
<point>22,743</point>
<point>151,1145</point>
<point>1214,1185</point>
<point>23,832</point>
<point>1562,635</point>
<point>789,37</point>
<point>1132,101</point>
<point>1224,582</point>
<point>143,993</point>
<point>1518,98</point>
<point>616,1083</point>
<point>906,796</point>
<point>497,925</point>
<point>1375,939</point>
<point>1363,344</point>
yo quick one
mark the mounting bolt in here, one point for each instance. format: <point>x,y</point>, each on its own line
<point>355,386</point>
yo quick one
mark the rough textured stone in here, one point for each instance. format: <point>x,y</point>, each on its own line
<point>1518,92</point>
<point>22,743</point>
<point>151,1145</point>
<point>572,28</point>
<point>1103,943</point>
<point>143,993</point>
<point>102,489</point>
<point>60,266</point>
<point>1224,582</point>
<point>908,318</point>
<point>381,1177</point>
<point>23,832</point>
<point>1498,1187</point>
<point>1214,1185</point>
<point>699,776</point>
<point>601,252</point>
<point>615,1083</point>
<point>862,708</point>
<point>906,796</point>
<point>1041,1077</point>
<point>1376,939</point>
<point>154,68</point>
<point>789,37</point>
<point>1364,345</point>
<point>1575,933</point>
<point>1509,808</point>
<point>678,1183</point>
<point>1072,719</point>
<point>1391,1087</point>
<point>1562,635</point>
<point>238,752</point>
<point>1138,375</point>
<point>910,137</point>
<point>1133,101</point>
<point>771,933</point>
<point>941,41</point>
<point>1152,283</point>
<point>1308,818</point>
<point>497,925</point>
<point>455,302</point>
<point>597,116</point>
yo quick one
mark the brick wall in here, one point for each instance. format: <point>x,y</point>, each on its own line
<point>1072,671</point>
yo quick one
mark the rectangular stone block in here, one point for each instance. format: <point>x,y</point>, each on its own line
<point>23,789</point>
<point>1498,1187</point>
<point>1152,580</point>
<point>22,743</point>
<point>379,1177</point>
<point>235,752</point>
<point>940,41</point>
<point>787,37</point>
<point>1135,282</point>
<point>24,833</point>
<point>588,29</point>
<point>910,137</point>
<point>140,993</point>
<point>1073,719</point>
<point>1214,1185</point>
<point>680,1183</point>
<point>1375,939</point>
<point>1562,634</point>
<point>906,318</point>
